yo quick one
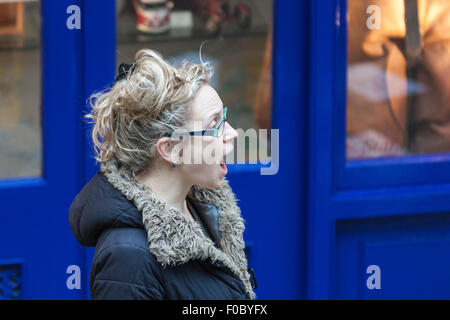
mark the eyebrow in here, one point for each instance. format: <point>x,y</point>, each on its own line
<point>214,115</point>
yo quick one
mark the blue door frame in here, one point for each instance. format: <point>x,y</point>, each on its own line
<point>312,229</point>
<point>37,245</point>
<point>99,48</point>
<point>388,212</point>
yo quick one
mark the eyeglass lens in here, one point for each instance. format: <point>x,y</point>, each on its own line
<point>222,128</point>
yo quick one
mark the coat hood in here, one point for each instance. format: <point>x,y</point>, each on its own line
<point>100,206</point>
<point>114,199</point>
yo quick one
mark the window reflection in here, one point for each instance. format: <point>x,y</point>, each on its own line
<point>20,123</point>
<point>236,38</point>
<point>398,81</point>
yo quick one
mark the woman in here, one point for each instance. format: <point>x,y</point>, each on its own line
<point>164,226</point>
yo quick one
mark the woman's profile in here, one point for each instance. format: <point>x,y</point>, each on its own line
<point>160,211</point>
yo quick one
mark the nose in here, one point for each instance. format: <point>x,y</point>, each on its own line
<point>229,134</point>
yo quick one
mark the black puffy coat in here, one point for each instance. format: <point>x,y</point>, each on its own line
<point>147,250</point>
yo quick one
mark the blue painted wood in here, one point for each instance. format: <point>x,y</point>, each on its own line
<point>395,172</point>
<point>11,279</point>
<point>385,192</point>
<point>99,61</point>
<point>320,145</point>
<point>35,211</point>
<point>410,252</point>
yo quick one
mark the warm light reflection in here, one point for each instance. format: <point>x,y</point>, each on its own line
<point>397,83</point>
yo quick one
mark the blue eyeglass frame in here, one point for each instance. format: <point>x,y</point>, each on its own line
<point>213,132</point>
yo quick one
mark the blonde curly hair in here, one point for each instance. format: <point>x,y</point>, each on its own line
<point>137,111</point>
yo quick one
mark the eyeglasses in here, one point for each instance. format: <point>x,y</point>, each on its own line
<point>217,131</point>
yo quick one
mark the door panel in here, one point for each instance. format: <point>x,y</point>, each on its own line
<point>37,245</point>
<point>410,252</point>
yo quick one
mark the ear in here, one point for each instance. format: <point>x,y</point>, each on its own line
<point>169,150</point>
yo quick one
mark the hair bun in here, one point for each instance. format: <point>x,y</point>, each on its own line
<point>124,69</point>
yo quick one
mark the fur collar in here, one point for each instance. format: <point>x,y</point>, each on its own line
<point>173,238</point>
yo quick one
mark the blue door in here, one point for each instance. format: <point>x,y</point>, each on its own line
<point>46,155</point>
<point>41,149</point>
<point>379,196</point>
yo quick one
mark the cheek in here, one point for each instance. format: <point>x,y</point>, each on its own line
<point>203,175</point>
<point>211,152</point>
<point>204,153</point>
<point>192,153</point>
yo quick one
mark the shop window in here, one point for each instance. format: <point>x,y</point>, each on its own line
<point>236,38</point>
<point>20,74</point>
<point>398,85</point>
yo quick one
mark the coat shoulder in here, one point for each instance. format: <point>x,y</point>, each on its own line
<point>123,267</point>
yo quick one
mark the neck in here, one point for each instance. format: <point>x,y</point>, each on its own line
<point>168,186</point>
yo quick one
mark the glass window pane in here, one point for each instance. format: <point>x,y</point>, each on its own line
<point>20,91</point>
<point>237,40</point>
<point>398,85</point>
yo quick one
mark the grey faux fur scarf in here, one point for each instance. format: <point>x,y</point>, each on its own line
<point>173,238</point>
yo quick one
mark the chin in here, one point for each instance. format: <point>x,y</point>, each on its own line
<point>220,183</point>
<point>216,184</point>
<point>205,176</point>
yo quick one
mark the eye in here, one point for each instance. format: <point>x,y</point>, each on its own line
<point>214,122</point>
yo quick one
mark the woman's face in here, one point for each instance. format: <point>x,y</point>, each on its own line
<point>203,156</point>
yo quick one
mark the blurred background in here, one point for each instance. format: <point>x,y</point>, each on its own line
<point>236,41</point>
<point>359,90</point>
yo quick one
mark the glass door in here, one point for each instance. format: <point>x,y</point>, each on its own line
<point>40,99</point>
<point>234,36</point>
<point>20,72</point>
